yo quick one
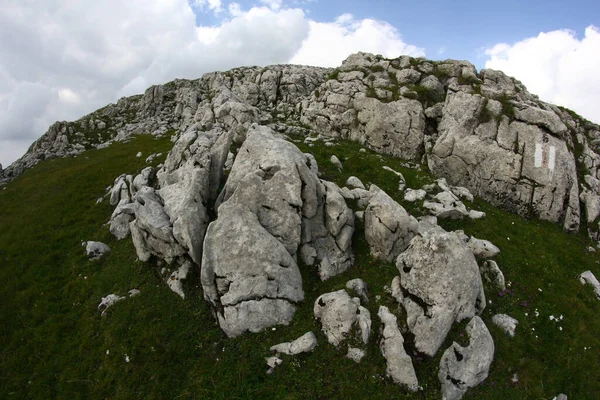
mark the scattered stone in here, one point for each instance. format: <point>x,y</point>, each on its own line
<point>362,151</point>
<point>359,215</point>
<point>273,362</point>
<point>353,183</point>
<point>462,192</point>
<point>174,281</point>
<point>139,154</point>
<point>505,322</point>
<point>482,248</point>
<point>336,162</point>
<point>465,367</point>
<point>589,278</point>
<point>304,344</point>
<point>447,206</point>
<point>414,195</point>
<point>355,354</point>
<point>339,313</point>
<point>492,274</point>
<point>95,250</point>
<point>473,214</point>
<point>360,287</point>
<point>440,284</point>
<point>388,227</point>
<point>399,364</point>
<point>560,397</point>
<point>108,301</point>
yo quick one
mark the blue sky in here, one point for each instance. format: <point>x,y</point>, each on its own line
<point>62,59</point>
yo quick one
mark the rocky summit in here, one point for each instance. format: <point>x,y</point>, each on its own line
<point>238,215</point>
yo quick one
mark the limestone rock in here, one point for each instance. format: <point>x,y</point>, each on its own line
<point>482,248</point>
<point>465,367</point>
<point>492,274</point>
<point>360,288</point>
<point>96,250</point>
<point>355,354</point>
<point>399,364</point>
<point>414,195</point>
<point>440,284</point>
<point>336,162</point>
<point>339,314</point>
<point>507,323</point>
<point>353,183</point>
<point>304,344</point>
<point>273,362</point>
<point>174,280</point>
<point>588,277</point>
<point>388,227</point>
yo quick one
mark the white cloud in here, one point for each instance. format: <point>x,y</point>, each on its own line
<point>328,44</point>
<point>273,4</point>
<point>557,66</point>
<point>67,58</point>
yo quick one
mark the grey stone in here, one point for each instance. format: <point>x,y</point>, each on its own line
<point>336,162</point>
<point>588,277</point>
<point>466,367</point>
<point>492,274</point>
<point>304,344</point>
<point>96,250</point>
<point>360,288</point>
<point>414,195</point>
<point>273,362</point>
<point>339,314</point>
<point>388,227</point>
<point>482,248</point>
<point>353,183</point>
<point>355,354</point>
<point>175,279</point>
<point>507,323</point>
<point>440,284</point>
<point>399,364</point>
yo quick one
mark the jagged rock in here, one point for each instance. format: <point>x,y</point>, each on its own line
<point>440,284</point>
<point>399,364</point>
<point>388,227</point>
<point>482,248</point>
<point>273,362</point>
<point>336,162</point>
<point>446,206</point>
<point>120,219</point>
<point>144,178</point>
<point>414,195</point>
<point>174,280</point>
<point>465,367</point>
<point>96,250</point>
<point>588,277</point>
<point>304,344</point>
<point>111,299</point>
<point>139,154</point>
<point>353,183</point>
<point>492,274</point>
<point>427,223</point>
<point>339,313</point>
<point>121,190</point>
<point>355,354</point>
<point>507,323</point>
<point>360,288</point>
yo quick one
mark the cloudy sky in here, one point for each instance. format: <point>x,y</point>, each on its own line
<point>61,59</point>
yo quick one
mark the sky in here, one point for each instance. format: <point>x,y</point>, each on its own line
<point>62,59</point>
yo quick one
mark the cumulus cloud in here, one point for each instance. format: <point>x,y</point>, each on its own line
<point>329,43</point>
<point>558,66</point>
<point>66,58</point>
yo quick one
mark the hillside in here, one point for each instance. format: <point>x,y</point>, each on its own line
<point>531,166</point>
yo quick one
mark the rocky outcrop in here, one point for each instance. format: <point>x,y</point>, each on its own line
<point>272,210</point>
<point>465,367</point>
<point>439,284</point>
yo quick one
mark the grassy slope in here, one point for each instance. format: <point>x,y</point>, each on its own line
<point>53,342</point>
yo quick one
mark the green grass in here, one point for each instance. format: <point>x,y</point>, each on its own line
<point>54,343</point>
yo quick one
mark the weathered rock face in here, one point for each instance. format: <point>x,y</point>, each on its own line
<point>339,314</point>
<point>465,367</point>
<point>399,364</point>
<point>388,227</point>
<point>439,284</point>
<point>272,209</point>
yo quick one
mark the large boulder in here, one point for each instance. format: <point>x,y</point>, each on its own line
<point>465,367</point>
<point>388,227</point>
<point>440,284</point>
<point>272,210</point>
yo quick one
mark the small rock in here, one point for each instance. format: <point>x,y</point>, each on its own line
<point>139,154</point>
<point>304,344</point>
<point>473,214</point>
<point>507,323</point>
<point>95,250</point>
<point>482,248</point>
<point>273,362</point>
<point>360,215</point>
<point>360,287</point>
<point>353,182</point>
<point>355,354</point>
<point>362,151</point>
<point>336,162</point>
<point>491,273</point>
<point>107,302</point>
<point>589,278</point>
<point>339,313</point>
<point>590,249</point>
<point>414,195</point>
<point>174,281</point>
<point>462,192</point>
<point>560,397</point>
